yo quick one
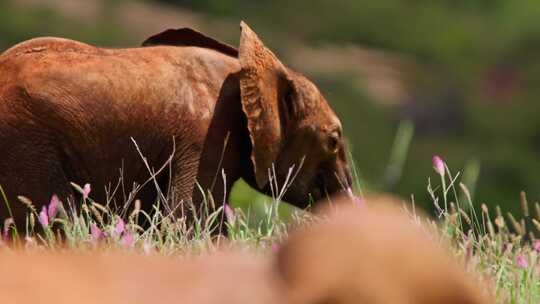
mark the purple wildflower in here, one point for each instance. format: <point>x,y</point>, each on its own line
<point>229,213</point>
<point>53,207</point>
<point>7,223</point>
<point>95,233</point>
<point>86,191</point>
<point>521,262</point>
<point>127,240</point>
<point>536,245</point>
<point>438,165</point>
<point>43,217</point>
<point>119,228</point>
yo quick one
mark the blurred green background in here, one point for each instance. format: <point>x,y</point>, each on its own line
<point>462,73</point>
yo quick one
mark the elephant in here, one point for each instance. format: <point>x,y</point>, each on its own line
<point>72,112</point>
<point>116,277</point>
<point>377,252</point>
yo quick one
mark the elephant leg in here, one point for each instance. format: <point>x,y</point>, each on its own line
<point>183,184</point>
<point>189,194</point>
<point>32,170</point>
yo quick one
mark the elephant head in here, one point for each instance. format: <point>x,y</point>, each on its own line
<point>290,124</point>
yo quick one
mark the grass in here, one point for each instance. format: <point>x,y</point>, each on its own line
<point>62,226</point>
<point>501,249</point>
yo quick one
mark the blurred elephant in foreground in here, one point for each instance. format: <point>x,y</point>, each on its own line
<point>68,277</point>
<point>68,112</point>
<point>376,253</point>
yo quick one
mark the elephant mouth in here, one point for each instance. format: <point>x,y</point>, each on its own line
<point>323,187</point>
<point>319,189</point>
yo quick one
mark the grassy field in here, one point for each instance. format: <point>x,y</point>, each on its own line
<point>500,248</point>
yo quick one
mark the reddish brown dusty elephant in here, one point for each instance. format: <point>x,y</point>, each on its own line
<point>68,112</point>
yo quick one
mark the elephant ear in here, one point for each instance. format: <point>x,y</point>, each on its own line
<point>189,37</point>
<point>263,84</point>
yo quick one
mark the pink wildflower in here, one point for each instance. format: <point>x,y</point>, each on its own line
<point>275,247</point>
<point>43,217</point>
<point>536,245</point>
<point>95,232</point>
<point>521,262</point>
<point>53,207</point>
<point>119,228</point>
<point>438,165</point>
<point>229,213</point>
<point>7,223</point>
<point>127,240</point>
<point>86,191</point>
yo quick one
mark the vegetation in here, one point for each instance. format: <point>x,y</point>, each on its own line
<point>501,249</point>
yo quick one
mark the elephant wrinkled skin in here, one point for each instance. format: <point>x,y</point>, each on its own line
<point>68,112</point>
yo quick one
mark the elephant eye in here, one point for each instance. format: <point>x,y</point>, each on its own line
<point>333,142</point>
